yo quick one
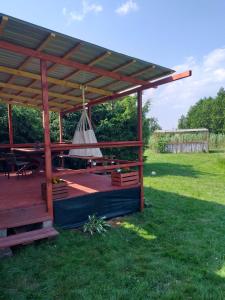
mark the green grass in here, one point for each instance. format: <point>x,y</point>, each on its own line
<point>174,250</point>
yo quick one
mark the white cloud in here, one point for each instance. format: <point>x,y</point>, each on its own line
<point>174,99</point>
<point>127,7</point>
<point>80,15</point>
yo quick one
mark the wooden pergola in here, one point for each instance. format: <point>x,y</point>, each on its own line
<point>46,70</point>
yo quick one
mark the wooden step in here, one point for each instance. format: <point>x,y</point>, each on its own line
<point>30,236</point>
<point>23,216</point>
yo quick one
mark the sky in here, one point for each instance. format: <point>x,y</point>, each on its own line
<point>179,34</point>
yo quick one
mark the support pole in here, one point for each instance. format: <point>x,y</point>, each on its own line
<point>140,152</point>
<point>47,141</point>
<point>10,125</point>
<point>89,112</point>
<point>60,128</point>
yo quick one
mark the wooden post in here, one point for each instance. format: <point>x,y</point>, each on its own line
<point>60,128</point>
<point>10,125</point>
<point>140,152</point>
<point>47,141</point>
<point>89,112</point>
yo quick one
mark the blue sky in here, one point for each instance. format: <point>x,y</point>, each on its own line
<point>177,33</point>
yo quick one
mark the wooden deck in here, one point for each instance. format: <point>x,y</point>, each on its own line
<point>21,201</point>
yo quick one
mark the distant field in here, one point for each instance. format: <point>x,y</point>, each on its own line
<point>174,250</point>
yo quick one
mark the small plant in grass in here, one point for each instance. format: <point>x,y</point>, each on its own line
<point>96,225</point>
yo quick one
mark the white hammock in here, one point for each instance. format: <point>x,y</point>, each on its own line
<point>84,134</point>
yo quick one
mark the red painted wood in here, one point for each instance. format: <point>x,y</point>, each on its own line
<point>70,63</point>
<point>149,85</point>
<point>60,128</point>
<point>89,113</point>
<point>47,141</point>
<point>21,200</point>
<point>119,144</point>
<point>140,152</point>
<point>26,145</point>
<point>10,124</point>
<point>25,237</point>
<point>96,169</point>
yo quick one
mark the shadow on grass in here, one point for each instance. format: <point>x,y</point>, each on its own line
<point>189,242</point>
<point>173,250</point>
<point>165,169</point>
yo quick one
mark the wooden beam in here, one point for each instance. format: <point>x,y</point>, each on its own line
<point>91,63</point>
<point>3,24</point>
<point>10,124</point>
<point>117,96</point>
<point>68,54</point>
<point>27,59</point>
<point>119,144</point>
<point>51,80</point>
<point>20,103</point>
<point>97,169</point>
<point>60,128</point>
<point>140,150</point>
<point>39,92</point>
<point>119,68</point>
<point>31,101</point>
<point>138,73</point>
<point>69,63</point>
<point>47,141</point>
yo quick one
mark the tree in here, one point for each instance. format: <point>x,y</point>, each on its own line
<point>206,113</point>
<point>116,121</point>
<point>182,122</point>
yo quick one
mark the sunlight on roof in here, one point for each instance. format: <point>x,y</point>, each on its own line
<point>140,231</point>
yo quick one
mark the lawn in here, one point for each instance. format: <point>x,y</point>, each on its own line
<point>174,250</point>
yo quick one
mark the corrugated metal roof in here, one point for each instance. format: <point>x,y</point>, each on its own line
<point>31,36</point>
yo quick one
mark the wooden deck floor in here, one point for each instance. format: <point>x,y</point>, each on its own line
<point>20,198</point>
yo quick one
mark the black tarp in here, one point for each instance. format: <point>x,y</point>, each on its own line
<point>74,212</point>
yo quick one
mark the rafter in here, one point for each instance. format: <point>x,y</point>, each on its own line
<point>91,63</point>
<point>32,101</point>
<point>3,24</point>
<point>43,44</point>
<point>121,95</point>
<point>39,92</point>
<point>64,83</point>
<point>119,68</point>
<point>147,69</point>
<point>69,63</point>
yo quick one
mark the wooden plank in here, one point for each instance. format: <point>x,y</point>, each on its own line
<point>20,216</point>
<point>64,83</point>
<point>29,236</point>
<point>27,100</point>
<point>39,92</point>
<point>47,141</point>
<point>96,169</point>
<point>119,144</point>
<point>69,63</point>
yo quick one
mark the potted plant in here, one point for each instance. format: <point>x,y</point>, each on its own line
<point>59,189</point>
<point>124,177</point>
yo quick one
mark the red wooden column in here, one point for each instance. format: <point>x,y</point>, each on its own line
<point>60,128</point>
<point>47,141</point>
<point>10,125</point>
<point>89,112</point>
<point>140,152</point>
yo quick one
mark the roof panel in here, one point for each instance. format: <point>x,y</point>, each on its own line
<point>32,36</point>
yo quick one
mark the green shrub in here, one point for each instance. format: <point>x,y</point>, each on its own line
<point>96,225</point>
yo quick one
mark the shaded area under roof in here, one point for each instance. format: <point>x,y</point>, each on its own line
<point>26,89</point>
